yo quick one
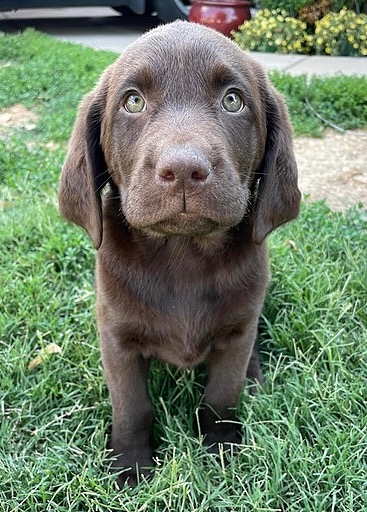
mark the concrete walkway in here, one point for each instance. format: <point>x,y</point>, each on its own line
<point>102,28</point>
<point>321,65</point>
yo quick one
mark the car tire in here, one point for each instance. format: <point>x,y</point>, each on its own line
<point>170,10</point>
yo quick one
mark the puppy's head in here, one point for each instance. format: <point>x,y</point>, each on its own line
<point>190,132</point>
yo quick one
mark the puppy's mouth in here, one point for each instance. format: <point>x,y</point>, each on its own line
<point>217,209</point>
<point>185,224</point>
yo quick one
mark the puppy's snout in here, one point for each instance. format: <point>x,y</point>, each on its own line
<point>183,169</point>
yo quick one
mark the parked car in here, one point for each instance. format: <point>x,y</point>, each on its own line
<point>167,10</point>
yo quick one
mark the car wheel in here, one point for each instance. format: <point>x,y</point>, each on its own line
<point>170,10</point>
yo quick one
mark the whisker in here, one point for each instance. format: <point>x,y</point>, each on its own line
<point>103,184</point>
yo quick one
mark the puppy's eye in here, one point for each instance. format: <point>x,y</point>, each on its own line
<point>135,103</point>
<point>232,102</point>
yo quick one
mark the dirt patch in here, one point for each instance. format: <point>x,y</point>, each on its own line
<point>334,167</point>
<point>17,116</point>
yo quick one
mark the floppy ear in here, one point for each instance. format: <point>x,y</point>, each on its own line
<point>277,197</point>
<point>84,173</point>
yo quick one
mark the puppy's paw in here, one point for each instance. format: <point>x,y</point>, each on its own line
<point>132,464</point>
<point>217,431</point>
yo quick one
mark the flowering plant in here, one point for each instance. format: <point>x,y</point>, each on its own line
<point>274,31</point>
<point>342,33</point>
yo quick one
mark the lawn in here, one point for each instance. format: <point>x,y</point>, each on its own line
<point>304,445</point>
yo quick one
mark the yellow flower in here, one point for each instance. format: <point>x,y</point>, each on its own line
<point>319,40</point>
<point>356,46</point>
<point>328,49</point>
<point>351,38</point>
<point>364,51</point>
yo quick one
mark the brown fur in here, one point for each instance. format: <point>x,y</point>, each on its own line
<point>182,266</point>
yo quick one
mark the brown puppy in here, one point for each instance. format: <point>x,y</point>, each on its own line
<point>195,146</point>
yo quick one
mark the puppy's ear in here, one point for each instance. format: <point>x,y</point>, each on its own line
<point>84,173</point>
<point>277,197</point>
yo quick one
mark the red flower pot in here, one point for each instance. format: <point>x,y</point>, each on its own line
<point>222,15</point>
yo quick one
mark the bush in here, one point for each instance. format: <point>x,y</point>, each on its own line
<point>290,6</point>
<point>343,33</point>
<point>294,7</point>
<point>274,31</point>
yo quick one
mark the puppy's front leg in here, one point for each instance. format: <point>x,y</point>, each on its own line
<point>227,366</point>
<point>126,374</point>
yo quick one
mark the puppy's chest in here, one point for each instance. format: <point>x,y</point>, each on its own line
<point>178,323</point>
<point>186,300</point>
<point>176,316</point>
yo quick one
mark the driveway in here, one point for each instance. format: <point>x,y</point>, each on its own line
<point>99,27</point>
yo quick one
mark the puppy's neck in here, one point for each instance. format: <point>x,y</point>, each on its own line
<point>208,245</point>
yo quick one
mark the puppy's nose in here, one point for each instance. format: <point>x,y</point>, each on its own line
<point>183,169</point>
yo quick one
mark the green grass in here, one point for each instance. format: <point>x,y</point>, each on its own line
<point>305,443</point>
